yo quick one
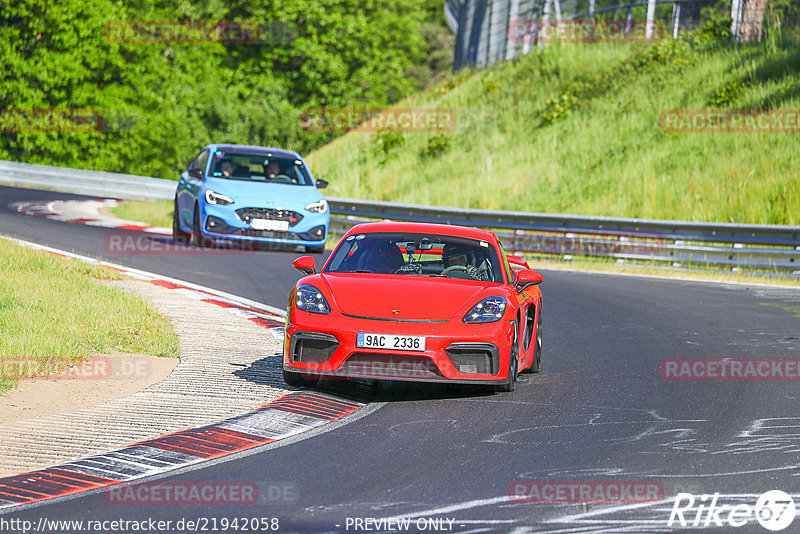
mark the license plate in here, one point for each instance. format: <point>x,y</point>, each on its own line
<point>266,224</point>
<point>388,341</point>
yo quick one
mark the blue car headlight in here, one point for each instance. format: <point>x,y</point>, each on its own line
<point>216,198</point>
<point>309,298</point>
<point>488,310</point>
<point>321,206</point>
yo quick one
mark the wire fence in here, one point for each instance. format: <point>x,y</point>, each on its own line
<point>491,31</point>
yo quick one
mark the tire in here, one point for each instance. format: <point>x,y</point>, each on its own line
<point>296,379</point>
<point>179,236</point>
<point>197,233</point>
<point>513,363</point>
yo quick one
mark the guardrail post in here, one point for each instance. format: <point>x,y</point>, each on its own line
<point>676,20</point>
<point>513,23</point>
<point>545,20</point>
<point>736,18</point>
<point>628,22</point>
<point>650,22</point>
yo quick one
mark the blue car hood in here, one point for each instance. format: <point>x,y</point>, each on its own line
<point>264,195</point>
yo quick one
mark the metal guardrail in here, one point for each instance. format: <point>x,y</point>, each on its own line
<point>82,182</point>
<point>773,247</point>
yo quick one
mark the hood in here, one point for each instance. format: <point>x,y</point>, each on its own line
<point>258,194</point>
<point>416,298</point>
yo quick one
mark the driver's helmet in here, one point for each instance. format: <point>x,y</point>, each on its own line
<point>456,254</point>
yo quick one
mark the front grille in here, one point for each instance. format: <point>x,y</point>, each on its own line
<point>313,348</point>
<point>269,234</point>
<point>292,217</point>
<point>389,367</point>
<point>475,358</point>
<point>315,234</point>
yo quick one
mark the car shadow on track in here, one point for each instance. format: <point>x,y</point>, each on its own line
<point>269,371</point>
<point>265,371</point>
<point>398,391</point>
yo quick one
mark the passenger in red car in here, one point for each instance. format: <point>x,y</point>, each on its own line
<point>383,257</point>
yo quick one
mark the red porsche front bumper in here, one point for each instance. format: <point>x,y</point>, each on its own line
<point>325,346</point>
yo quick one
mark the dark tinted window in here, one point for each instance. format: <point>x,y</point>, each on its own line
<point>199,162</point>
<point>259,168</point>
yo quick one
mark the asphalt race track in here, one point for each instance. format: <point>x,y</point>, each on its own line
<point>449,456</point>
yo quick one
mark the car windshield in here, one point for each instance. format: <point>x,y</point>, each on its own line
<point>259,168</point>
<point>417,255</point>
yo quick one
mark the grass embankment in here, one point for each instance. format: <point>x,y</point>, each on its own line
<point>156,213</point>
<point>575,129</point>
<point>53,314</point>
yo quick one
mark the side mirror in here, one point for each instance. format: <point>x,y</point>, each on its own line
<point>527,278</point>
<point>322,184</point>
<point>305,264</point>
<point>195,173</point>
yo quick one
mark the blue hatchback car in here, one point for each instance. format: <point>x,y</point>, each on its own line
<point>252,194</point>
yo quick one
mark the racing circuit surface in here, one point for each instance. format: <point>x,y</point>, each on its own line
<point>599,411</point>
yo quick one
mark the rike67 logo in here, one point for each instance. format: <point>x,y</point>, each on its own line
<point>774,510</point>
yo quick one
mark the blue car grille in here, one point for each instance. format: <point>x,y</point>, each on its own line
<point>292,217</point>
<point>218,226</point>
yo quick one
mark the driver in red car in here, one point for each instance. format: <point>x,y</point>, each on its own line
<point>459,258</point>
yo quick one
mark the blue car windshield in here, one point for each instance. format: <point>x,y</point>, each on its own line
<point>259,168</point>
<point>417,254</point>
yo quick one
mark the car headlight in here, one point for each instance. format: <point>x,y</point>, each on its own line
<point>309,298</point>
<point>216,198</point>
<point>320,206</point>
<point>488,310</point>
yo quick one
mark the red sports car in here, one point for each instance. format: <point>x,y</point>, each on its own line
<point>414,302</point>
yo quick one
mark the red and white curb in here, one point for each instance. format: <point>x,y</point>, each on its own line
<point>287,416</point>
<point>84,212</point>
